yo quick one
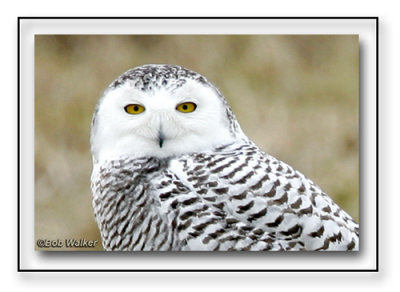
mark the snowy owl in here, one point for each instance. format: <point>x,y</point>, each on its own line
<point>172,170</point>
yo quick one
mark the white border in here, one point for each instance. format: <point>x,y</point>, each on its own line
<point>365,259</point>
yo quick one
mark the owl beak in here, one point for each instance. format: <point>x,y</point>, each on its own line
<point>161,139</point>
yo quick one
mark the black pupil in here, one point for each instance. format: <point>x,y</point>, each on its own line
<point>135,108</point>
<point>185,107</point>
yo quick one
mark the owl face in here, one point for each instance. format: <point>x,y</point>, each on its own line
<point>160,119</point>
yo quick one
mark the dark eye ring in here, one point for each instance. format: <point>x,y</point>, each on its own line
<point>134,109</point>
<point>186,107</point>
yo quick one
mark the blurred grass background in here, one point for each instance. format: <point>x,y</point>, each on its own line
<point>295,96</point>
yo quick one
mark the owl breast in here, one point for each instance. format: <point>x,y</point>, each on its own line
<point>128,214</point>
<point>232,198</point>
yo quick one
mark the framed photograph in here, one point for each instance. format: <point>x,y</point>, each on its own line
<point>198,144</point>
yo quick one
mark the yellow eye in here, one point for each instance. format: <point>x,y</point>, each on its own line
<point>134,109</point>
<point>186,107</point>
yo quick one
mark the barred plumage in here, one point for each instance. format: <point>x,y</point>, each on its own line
<point>228,195</point>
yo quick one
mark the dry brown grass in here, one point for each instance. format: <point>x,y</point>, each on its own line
<point>295,96</point>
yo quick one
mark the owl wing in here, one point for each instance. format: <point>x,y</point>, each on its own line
<point>239,198</point>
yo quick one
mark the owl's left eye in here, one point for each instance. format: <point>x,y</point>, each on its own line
<point>186,107</point>
<point>134,109</point>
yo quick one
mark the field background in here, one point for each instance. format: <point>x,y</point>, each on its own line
<point>296,97</point>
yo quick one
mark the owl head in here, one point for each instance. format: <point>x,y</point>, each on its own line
<point>160,111</point>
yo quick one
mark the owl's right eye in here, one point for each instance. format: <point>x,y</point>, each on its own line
<point>134,109</point>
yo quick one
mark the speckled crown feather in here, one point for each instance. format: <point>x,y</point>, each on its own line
<point>148,77</point>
